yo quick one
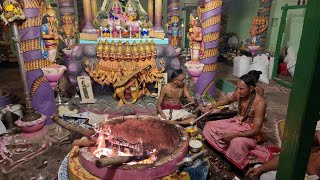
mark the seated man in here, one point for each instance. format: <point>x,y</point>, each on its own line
<point>256,75</point>
<point>237,137</point>
<point>267,171</point>
<point>169,104</point>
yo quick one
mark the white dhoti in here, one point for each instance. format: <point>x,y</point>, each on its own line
<point>180,114</point>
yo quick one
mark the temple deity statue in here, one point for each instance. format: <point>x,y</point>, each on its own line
<point>49,35</point>
<point>142,51</point>
<point>122,18</point>
<point>135,51</point>
<point>106,50</point>
<point>100,50</point>
<point>113,51</point>
<point>195,36</point>
<point>69,30</point>
<point>174,32</point>
<point>127,51</point>
<point>130,11</point>
<point>11,11</point>
<point>258,26</point>
<point>119,51</point>
<point>116,11</point>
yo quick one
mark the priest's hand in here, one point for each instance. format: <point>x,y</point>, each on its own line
<point>228,137</point>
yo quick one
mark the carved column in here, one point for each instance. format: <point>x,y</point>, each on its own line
<point>173,9</point>
<point>30,30</point>
<point>88,28</point>
<point>211,18</point>
<point>150,10</point>
<point>264,10</point>
<point>94,8</point>
<point>158,16</point>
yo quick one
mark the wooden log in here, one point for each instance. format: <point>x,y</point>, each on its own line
<point>84,142</point>
<point>114,161</point>
<point>119,160</point>
<point>74,128</point>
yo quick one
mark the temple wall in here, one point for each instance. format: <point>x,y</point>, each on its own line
<point>242,12</point>
<point>294,25</point>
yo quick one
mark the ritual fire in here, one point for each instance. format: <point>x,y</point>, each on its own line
<point>130,147</point>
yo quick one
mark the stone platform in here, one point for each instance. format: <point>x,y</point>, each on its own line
<point>107,105</point>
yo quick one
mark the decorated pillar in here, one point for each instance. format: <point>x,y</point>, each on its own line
<point>158,16</point>
<point>41,92</point>
<point>264,10</point>
<point>173,9</point>
<point>150,10</point>
<point>66,7</point>
<point>211,18</point>
<point>94,8</point>
<point>88,28</point>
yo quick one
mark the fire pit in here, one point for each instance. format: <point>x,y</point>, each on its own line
<point>130,147</point>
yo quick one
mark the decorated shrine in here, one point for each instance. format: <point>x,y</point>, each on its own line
<point>153,89</point>
<point>126,67</point>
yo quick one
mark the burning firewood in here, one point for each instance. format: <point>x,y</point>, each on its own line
<point>119,160</point>
<point>74,128</point>
<point>84,142</point>
<point>115,161</point>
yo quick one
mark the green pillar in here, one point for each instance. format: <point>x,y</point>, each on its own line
<point>304,103</point>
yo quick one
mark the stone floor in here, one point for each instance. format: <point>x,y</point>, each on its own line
<point>276,96</point>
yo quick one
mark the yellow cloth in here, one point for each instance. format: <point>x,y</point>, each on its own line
<point>177,176</point>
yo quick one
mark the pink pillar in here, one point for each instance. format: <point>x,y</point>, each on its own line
<point>150,10</point>
<point>88,28</point>
<point>158,16</point>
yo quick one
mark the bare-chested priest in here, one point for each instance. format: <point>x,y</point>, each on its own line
<point>169,104</point>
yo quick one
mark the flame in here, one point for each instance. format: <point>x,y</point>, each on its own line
<point>104,133</point>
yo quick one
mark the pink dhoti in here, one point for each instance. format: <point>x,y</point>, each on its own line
<point>240,148</point>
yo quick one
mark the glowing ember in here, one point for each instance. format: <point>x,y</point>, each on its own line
<point>101,149</point>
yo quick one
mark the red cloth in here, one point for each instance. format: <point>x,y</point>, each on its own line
<point>171,106</point>
<point>282,69</point>
<point>239,148</point>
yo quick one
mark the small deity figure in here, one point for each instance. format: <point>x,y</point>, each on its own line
<point>69,30</point>
<point>142,51</point>
<point>116,28</point>
<point>116,11</point>
<point>135,28</point>
<point>49,35</point>
<point>258,26</point>
<point>100,50</point>
<point>127,51</point>
<point>135,51</point>
<point>11,11</point>
<point>253,32</point>
<point>119,51</point>
<point>112,51</point>
<point>195,36</point>
<point>174,32</point>
<point>130,11</point>
<point>85,90</point>
<point>148,50</point>
<point>105,52</point>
